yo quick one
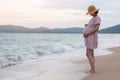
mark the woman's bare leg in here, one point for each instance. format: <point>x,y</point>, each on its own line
<point>91,58</point>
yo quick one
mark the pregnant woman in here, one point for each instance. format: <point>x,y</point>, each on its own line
<point>90,35</point>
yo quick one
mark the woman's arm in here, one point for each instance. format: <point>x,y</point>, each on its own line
<point>92,32</point>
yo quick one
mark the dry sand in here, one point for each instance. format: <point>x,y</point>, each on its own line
<point>107,67</point>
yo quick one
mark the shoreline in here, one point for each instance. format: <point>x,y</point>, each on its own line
<point>70,67</point>
<point>66,67</point>
<point>107,66</point>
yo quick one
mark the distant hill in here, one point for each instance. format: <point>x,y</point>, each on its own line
<point>22,29</point>
<point>113,29</point>
<point>13,28</point>
<point>40,30</point>
<point>67,30</point>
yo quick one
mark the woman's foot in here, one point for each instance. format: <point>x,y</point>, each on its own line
<point>91,72</point>
<point>88,71</point>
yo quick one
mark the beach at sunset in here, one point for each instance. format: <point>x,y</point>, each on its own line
<point>59,40</point>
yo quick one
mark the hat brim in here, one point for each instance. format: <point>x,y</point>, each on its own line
<point>92,11</point>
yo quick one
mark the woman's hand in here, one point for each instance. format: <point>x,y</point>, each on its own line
<point>85,35</point>
<point>86,25</point>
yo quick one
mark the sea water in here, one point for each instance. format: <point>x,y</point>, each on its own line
<point>22,48</point>
<point>19,47</point>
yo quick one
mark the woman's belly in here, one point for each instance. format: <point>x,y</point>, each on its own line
<point>87,30</point>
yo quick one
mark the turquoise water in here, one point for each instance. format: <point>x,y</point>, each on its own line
<point>17,47</point>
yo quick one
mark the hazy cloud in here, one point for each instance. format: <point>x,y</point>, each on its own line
<point>56,13</point>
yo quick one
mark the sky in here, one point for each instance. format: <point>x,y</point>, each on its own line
<point>57,13</point>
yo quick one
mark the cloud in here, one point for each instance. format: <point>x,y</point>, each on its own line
<point>64,4</point>
<point>56,13</point>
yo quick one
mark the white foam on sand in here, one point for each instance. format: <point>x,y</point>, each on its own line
<point>67,67</point>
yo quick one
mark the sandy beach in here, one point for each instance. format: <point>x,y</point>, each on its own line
<point>107,66</point>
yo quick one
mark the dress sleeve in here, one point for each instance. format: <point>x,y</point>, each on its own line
<point>97,21</point>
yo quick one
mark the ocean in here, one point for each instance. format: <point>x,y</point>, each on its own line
<point>23,48</point>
